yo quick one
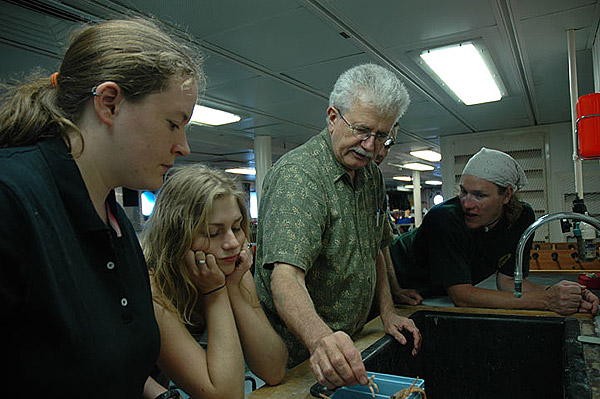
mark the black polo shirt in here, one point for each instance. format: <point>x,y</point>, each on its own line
<point>443,251</point>
<point>78,316</point>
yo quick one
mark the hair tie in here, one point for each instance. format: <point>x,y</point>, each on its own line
<point>215,290</point>
<point>54,79</point>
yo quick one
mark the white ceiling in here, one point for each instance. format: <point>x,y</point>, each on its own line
<point>274,62</point>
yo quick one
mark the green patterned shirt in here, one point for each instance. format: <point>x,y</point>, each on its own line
<point>312,216</point>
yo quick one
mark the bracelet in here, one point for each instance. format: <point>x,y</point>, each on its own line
<point>215,290</point>
<point>170,394</point>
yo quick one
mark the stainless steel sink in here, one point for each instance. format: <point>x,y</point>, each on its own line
<point>488,356</point>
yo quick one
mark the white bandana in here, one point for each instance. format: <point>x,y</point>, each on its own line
<point>496,167</point>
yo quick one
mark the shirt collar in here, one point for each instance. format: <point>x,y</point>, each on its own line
<point>71,186</point>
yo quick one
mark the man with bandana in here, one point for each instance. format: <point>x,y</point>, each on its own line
<point>322,227</point>
<point>466,239</point>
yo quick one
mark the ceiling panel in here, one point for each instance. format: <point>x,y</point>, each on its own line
<point>274,62</point>
<point>322,75</point>
<point>23,60</point>
<point>222,71</point>
<point>393,23</point>
<point>535,8</point>
<point>546,35</point>
<point>288,40</point>
<point>200,17</point>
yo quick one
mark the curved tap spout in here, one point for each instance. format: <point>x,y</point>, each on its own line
<point>529,232</point>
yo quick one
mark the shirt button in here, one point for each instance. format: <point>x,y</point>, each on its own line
<point>110,265</point>
<point>123,302</point>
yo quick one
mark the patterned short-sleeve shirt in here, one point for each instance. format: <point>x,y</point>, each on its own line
<point>314,217</point>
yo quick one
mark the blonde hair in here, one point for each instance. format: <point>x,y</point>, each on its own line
<point>136,54</point>
<point>181,211</point>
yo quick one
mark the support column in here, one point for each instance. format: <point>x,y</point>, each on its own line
<point>262,161</point>
<point>417,197</point>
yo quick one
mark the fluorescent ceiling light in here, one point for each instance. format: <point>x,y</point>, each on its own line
<point>242,171</point>
<point>209,116</point>
<point>417,166</point>
<point>402,178</point>
<point>427,155</point>
<point>409,186</point>
<point>463,70</point>
<point>433,182</point>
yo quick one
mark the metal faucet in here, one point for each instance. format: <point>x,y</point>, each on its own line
<point>530,230</point>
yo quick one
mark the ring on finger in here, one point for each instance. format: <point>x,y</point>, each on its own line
<point>200,261</point>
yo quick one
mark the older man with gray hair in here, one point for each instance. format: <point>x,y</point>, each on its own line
<point>466,239</point>
<point>322,227</point>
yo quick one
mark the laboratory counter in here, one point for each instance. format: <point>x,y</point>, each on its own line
<point>298,380</point>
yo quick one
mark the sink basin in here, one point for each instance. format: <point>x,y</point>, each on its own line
<point>488,356</point>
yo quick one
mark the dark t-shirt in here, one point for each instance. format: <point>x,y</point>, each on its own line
<point>443,251</point>
<point>78,320</point>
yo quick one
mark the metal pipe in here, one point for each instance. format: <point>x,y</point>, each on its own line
<point>529,232</point>
<point>574,97</point>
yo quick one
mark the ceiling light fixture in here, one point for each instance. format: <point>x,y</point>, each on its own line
<point>409,186</point>
<point>433,182</point>
<point>428,155</point>
<point>402,178</point>
<point>417,166</point>
<point>464,71</point>
<point>242,171</point>
<point>203,115</point>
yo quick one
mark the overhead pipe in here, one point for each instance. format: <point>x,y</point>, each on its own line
<point>508,22</point>
<point>572,56</point>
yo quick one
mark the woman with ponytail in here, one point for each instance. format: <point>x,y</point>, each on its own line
<point>79,318</point>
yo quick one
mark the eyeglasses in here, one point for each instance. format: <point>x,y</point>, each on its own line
<point>364,133</point>
<point>389,142</point>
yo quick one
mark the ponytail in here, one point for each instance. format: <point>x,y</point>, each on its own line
<point>29,113</point>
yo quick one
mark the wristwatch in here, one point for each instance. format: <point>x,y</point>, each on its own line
<point>170,394</point>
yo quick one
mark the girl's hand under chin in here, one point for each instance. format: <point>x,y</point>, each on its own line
<point>204,271</point>
<point>242,266</point>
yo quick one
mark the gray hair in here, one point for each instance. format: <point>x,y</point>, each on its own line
<point>373,85</point>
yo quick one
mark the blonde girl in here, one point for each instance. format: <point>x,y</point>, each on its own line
<point>196,247</point>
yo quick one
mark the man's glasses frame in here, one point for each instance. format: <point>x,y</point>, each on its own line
<point>363,134</point>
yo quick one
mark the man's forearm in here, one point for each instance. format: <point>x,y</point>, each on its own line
<point>295,307</point>
<point>465,295</point>
<point>389,268</point>
<point>382,287</point>
<point>507,283</point>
